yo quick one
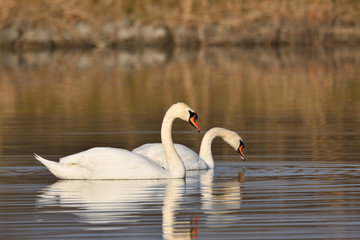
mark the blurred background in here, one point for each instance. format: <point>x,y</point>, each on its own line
<point>32,24</point>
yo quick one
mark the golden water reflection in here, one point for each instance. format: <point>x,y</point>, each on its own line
<point>282,101</point>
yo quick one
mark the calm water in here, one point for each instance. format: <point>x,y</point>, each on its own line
<point>298,111</point>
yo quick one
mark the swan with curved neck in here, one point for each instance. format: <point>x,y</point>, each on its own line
<point>191,160</point>
<point>115,163</point>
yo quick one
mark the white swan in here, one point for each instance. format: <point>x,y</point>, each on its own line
<point>191,160</point>
<point>114,163</point>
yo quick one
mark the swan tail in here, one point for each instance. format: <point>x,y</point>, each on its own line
<point>64,171</point>
<point>51,165</point>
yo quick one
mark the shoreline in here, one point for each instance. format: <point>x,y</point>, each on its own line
<point>119,36</point>
<point>81,24</point>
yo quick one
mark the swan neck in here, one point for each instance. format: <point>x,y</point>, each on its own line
<point>205,147</point>
<point>175,164</point>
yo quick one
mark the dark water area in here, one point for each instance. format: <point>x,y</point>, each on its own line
<point>297,110</point>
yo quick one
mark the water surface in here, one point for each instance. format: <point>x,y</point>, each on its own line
<point>297,111</point>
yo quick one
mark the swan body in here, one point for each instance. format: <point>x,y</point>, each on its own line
<point>192,160</point>
<point>114,163</point>
<point>154,151</point>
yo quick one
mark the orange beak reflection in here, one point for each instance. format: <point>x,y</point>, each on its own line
<point>192,121</point>
<point>240,150</point>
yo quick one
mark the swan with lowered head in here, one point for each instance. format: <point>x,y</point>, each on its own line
<point>115,163</point>
<point>192,160</point>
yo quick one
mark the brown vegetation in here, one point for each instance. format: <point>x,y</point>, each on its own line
<point>205,22</point>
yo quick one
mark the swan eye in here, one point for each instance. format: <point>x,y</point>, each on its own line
<point>192,114</point>
<point>242,144</point>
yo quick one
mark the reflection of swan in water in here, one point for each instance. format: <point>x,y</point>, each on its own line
<point>172,195</point>
<point>119,204</point>
<point>220,198</point>
<point>103,202</point>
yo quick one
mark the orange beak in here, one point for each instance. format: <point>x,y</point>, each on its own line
<point>240,150</point>
<point>192,121</point>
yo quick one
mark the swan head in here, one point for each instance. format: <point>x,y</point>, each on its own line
<point>192,120</point>
<point>186,113</point>
<point>235,141</point>
<point>240,149</point>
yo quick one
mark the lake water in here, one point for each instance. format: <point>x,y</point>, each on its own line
<point>297,110</point>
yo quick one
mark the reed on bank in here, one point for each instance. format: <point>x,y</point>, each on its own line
<point>204,22</point>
